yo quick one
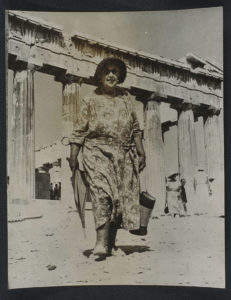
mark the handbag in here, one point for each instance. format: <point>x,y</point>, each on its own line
<point>147,203</point>
<point>166,209</point>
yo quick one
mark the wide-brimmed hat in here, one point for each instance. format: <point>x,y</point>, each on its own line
<point>111,60</point>
<point>173,175</point>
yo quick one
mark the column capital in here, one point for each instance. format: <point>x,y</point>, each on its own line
<point>216,111</point>
<point>182,106</point>
<point>140,94</point>
<point>200,110</point>
<point>205,110</point>
<point>211,111</point>
<point>146,96</point>
<point>68,79</point>
<point>24,67</point>
<point>158,97</point>
<point>18,65</point>
<point>166,125</point>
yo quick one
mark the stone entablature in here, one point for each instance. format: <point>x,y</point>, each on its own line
<point>49,49</point>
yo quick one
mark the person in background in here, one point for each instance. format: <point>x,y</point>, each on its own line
<point>51,192</point>
<point>202,190</point>
<point>173,196</point>
<point>59,194</point>
<point>183,195</point>
<point>56,192</point>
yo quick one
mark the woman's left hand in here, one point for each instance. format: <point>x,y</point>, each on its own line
<point>142,162</point>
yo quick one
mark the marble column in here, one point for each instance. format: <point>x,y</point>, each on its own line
<point>70,105</point>
<point>213,149</point>
<point>187,151</point>
<point>221,127</point>
<point>214,161</point>
<point>154,149</point>
<point>169,131</point>
<point>187,142</point>
<point>21,138</point>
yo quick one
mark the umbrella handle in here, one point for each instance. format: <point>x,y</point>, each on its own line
<point>76,165</point>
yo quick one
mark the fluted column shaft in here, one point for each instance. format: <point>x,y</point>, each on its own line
<point>214,161</point>
<point>21,138</point>
<point>187,150</point>
<point>153,143</point>
<point>187,143</point>
<point>70,105</point>
<point>213,147</point>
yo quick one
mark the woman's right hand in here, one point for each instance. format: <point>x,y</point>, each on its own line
<point>73,160</point>
<point>73,163</point>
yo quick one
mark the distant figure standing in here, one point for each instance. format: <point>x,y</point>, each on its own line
<point>51,192</point>
<point>173,189</point>
<point>183,195</point>
<point>56,192</point>
<point>202,190</point>
<point>216,192</point>
<point>59,190</point>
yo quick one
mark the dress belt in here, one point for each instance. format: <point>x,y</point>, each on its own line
<point>126,145</point>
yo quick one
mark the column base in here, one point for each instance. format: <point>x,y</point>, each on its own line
<point>18,211</point>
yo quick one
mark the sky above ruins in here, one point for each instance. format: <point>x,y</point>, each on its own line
<point>170,34</point>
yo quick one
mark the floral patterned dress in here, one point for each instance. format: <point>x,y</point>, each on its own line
<point>105,128</point>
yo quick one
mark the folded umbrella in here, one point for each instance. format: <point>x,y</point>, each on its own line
<point>79,188</point>
<point>80,195</point>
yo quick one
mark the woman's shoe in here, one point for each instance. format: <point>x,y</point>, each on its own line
<point>100,252</point>
<point>115,251</point>
<point>141,231</point>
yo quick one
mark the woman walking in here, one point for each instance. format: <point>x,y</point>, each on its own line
<point>108,134</point>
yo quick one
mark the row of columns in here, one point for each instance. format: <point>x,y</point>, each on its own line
<point>21,142</point>
<point>187,149</point>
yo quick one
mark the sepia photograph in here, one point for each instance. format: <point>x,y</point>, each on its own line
<point>115,148</point>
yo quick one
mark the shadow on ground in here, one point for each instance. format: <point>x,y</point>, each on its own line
<point>126,249</point>
<point>88,252</point>
<point>134,249</point>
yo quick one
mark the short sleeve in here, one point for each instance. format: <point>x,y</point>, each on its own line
<point>81,125</point>
<point>136,132</point>
<point>168,187</point>
<point>136,125</point>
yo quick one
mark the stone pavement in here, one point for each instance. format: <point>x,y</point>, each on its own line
<point>50,250</point>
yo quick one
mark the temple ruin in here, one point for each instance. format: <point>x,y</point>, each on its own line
<point>191,86</point>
